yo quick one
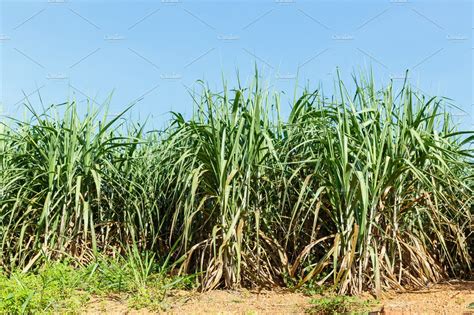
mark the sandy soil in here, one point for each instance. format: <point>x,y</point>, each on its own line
<point>245,302</point>
<point>214,302</point>
<point>447,298</point>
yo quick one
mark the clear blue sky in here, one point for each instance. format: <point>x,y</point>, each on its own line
<point>153,50</point>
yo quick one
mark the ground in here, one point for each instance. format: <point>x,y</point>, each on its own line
<point>448,298</point>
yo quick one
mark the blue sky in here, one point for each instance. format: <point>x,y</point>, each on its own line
<point>154,51</point>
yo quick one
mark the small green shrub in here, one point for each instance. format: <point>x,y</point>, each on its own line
<point>340,304</point>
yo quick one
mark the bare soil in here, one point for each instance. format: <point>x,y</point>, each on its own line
<point>448,298</point>
<point>451,297</point>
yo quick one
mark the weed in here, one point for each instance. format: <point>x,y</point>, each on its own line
<point>340,305</point>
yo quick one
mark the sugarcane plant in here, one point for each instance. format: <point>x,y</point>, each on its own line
<point>369,189</point>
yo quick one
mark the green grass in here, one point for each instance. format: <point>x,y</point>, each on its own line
<point>366,190</point>
<point>341,305</point>
<point>52,289</point>
<point>60,287</point>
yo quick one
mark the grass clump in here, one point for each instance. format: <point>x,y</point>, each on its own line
<point>340,304</point>
<point>53,288</point>
<point>59,287</point>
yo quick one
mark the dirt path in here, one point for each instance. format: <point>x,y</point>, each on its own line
<point>447,298</point>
